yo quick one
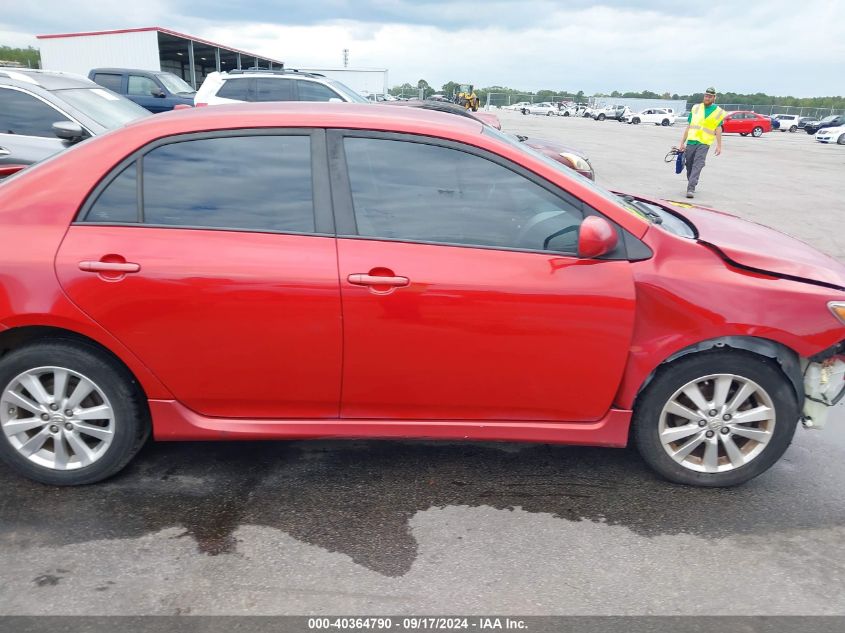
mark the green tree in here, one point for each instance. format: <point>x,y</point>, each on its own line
<point>28,57</point>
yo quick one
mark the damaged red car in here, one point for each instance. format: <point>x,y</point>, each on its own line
<point>281,271</point>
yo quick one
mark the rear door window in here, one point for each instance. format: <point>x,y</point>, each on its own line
<point>258,182</point>
<point>109,80</point>
<point>311,91</point>
<point>269,89</point>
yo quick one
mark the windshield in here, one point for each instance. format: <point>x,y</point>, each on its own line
<point>604,193</point>
<point>175,84</point>
<point>103,106</point>
<point>347,92</point>
<point>829,118</point>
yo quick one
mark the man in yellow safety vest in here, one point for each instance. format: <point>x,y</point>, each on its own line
<point>704,125</point>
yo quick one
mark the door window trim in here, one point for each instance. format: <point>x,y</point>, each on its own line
<point>320,187</point>
<point>345,211</point>
<point>48,103</point>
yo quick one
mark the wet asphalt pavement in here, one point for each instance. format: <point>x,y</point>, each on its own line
<point>367,527</point>
<point>207,528</point>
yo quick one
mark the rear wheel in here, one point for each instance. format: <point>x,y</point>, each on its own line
<point>757,132</point>
<point>69,413</point>
<point>549,113</point>
<point>743,133</point>
<point>566,113</point>
<point>841,140</point>
<point>635,120</point>
<point>716,418</point>
<point>793,128</point>
<point>665,123</point>
<point>601,117</point>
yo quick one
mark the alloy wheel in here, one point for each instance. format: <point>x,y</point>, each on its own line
<point>57,418</point>
<point>717,423</point>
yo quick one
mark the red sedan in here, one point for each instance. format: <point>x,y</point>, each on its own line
<point>745,123</point>
<point>278,271</point>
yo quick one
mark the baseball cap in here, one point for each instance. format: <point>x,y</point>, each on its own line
<point>710,91</point>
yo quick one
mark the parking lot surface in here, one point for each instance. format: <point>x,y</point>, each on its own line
<point>369,527</point>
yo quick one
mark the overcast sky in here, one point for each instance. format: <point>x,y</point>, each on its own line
<point>777,46</point>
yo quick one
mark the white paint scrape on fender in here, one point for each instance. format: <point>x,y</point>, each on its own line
<point>824,387</point>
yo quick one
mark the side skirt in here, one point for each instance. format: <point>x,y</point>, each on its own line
<point>173,421</point>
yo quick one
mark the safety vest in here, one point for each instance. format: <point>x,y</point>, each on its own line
<point>703,129</point>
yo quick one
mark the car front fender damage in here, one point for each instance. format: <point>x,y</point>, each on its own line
<point>824,387</point>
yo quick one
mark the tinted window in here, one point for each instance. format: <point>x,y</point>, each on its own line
<point>416,192</point>
<point>142,86</point>
<point>118,202</point>
<point>108,80</point>
<point>21,113</point>
<point>310,91</point>
<point>235,89</point>
<point>274,89</point>
<point>245,182</point>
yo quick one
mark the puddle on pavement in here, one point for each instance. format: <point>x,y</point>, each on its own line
<point>357,498</point>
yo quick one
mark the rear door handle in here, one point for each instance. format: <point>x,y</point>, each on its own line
<point>109,267</point>
<point>4,151</point>
<point>361,279</point>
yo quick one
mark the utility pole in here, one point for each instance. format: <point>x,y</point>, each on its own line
<point>345,57</point>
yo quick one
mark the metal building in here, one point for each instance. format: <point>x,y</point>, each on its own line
<point>148,48</point>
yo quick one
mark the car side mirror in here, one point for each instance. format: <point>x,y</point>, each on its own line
<point>596,237</point>
<point>69,131</point>
<point>158,92</point>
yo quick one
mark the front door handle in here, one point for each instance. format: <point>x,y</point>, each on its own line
<point>4,151</point>
<point>361,279</point>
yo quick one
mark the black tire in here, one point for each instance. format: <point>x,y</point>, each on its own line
<point>131,419</point>
<point>549,113</point>
<point>635,120</point>
<point>566,113</point>
<point>793,128</point>
<point>841,140</point>
<point>601,117</point>
<point>810,131</point>
<point>757,132</point>
<point>524,111</point>
<point>665,123</point>
<point>743,133</point>
<point>763,371</point>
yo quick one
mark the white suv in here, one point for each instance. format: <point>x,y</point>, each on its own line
<point>272,85</point>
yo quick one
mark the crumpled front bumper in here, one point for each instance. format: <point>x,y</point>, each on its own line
<point>824,392</point>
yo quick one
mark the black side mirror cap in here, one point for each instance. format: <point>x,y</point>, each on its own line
<point>69,131</point>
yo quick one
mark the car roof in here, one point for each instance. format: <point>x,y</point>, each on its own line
<point>47,79</point>
<point>309,114</point>
<point>128,70</point>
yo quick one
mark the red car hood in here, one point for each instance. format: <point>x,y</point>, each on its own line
<point>758,247</point>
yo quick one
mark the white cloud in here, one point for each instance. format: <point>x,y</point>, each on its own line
<point>656,45</point>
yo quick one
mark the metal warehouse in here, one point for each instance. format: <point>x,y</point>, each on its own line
<point>148,48</point>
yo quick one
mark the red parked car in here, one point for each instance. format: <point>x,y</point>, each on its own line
<point>302,270</point>
<point>745,123</point>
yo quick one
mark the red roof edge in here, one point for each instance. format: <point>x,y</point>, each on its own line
<point>160,30</point>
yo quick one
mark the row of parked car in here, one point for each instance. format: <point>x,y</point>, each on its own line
<point>42,112</point>
<point>742,122</point>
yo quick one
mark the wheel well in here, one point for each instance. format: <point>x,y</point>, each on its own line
<point>16,338</point>
<point>786,358</point>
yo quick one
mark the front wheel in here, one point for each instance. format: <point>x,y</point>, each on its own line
<point>743,133</point>
<point>69,413</point>
<point>566,113</point>
<point>549,113</point>
<point>793,128</point>
<point>635,121</point>
<point>757,132</point>
<point>716,419</point>
<point>601,117</point>
<point>841,140</point>
<point>665,123</point>
<point>524,111</point>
